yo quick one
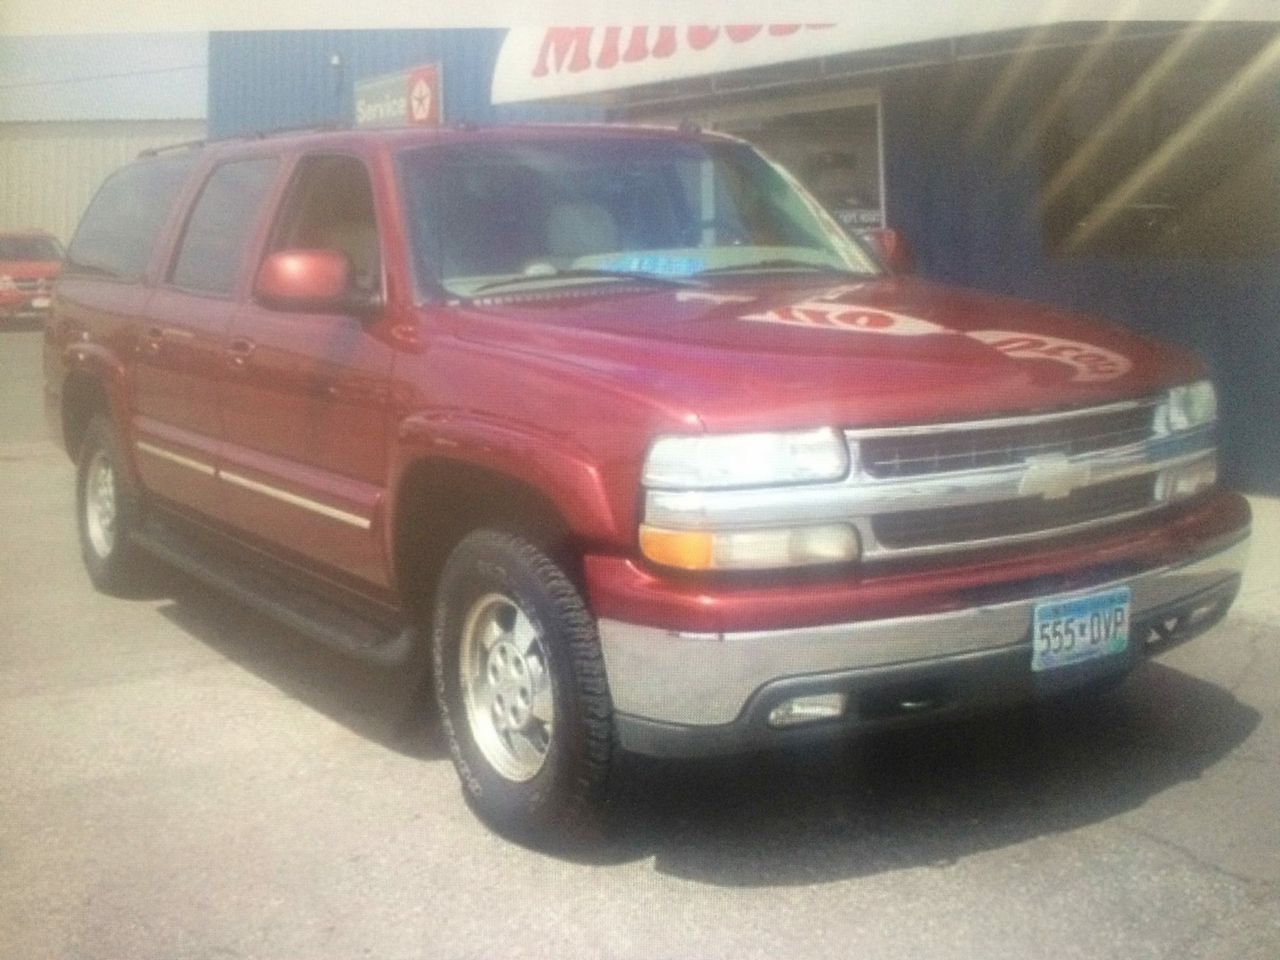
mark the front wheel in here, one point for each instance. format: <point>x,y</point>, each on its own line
<point>521,687</point>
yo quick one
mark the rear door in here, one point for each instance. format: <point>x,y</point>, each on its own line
<point>104,288</point>
<point>182,355</point>
<point>306,402</point>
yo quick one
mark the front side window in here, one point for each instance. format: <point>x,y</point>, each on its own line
<point>550,212</point>
<point>330,207</point>
<point>213,245</point>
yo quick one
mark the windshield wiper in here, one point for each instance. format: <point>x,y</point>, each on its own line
<point>781,264</point>
<point>588,273</point>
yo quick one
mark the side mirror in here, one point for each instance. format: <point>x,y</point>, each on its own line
<point>316,281</point>
<point>891,248</point>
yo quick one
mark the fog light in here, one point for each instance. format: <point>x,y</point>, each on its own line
<point>819,706</point>
<point>1184,481</point>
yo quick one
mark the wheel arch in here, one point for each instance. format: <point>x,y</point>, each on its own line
<point>439,500</point>
<point>84,393</point>
<point>454,472</point>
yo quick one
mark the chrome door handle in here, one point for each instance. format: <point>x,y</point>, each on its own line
<point>153,338</point>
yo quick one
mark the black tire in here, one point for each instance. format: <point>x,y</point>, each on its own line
<point>565,798</point>
<point>113,560</point>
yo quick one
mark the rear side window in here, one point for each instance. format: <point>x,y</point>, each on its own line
<point>213,245</point>
<point>118,232</point>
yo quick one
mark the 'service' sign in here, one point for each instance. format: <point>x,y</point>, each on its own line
<point>410,98</point>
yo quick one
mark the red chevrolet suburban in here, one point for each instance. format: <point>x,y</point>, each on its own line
<point>621,427</point>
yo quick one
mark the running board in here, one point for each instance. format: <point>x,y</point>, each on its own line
<point>256,585</point>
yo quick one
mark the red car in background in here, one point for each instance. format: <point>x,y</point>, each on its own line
<point>29,261</point>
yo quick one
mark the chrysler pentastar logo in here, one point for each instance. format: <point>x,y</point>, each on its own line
<point>1053,476</point>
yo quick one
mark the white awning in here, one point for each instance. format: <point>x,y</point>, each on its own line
<point>553,62</point>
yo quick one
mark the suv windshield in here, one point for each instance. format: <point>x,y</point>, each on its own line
<point>542,213</point>
<point>29,248</point>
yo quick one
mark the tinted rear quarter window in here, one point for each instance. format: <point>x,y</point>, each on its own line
<point>213,244</point>
<point>119,230</point>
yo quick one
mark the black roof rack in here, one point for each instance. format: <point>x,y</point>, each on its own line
<point>251,135</point>
<point>156,151</point>
<point>326,127</point>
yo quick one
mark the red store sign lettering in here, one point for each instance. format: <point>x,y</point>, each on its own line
<point>575,49</point>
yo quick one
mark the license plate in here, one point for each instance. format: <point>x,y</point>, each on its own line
<point>39,303</point>
<point>1081,628</point>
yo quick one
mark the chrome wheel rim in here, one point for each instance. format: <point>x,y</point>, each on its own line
<point>506,686</point>
<point>100,504</point>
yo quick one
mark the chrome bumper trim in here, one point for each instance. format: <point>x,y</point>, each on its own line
<point>1055,416</point>
<point>704,679</point>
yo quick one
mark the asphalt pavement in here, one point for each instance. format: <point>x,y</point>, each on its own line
<point>185,779</point>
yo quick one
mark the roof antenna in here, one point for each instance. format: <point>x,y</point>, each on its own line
<point>337,71</point>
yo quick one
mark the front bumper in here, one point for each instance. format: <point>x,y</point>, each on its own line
<point>24,308</point>
<point>681,694</point>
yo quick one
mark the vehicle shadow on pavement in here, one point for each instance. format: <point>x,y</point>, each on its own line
<point>386,705</point>
<point>925,796</point>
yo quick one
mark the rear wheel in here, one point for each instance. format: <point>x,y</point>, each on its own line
<point>107,508</point>
<point>521,688</point>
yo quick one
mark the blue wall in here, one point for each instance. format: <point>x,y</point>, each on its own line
<point>966,200</point>
<point>264,80</point>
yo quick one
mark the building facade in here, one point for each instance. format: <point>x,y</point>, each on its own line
<point>73,109</point>
<point>1126,169</point>
<point>268,80</point>
<point>52,169</point>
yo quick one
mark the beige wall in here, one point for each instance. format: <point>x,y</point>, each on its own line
<point>49,171</point>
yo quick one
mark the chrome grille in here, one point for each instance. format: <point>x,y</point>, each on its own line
<point>917,529</point>
<point>30,284</point>
<point>935,489</point>
<point>979,446</point>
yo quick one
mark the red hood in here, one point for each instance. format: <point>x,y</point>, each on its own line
<point>893,350</point>
<point>30,269</point>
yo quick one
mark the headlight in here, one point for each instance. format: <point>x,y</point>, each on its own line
<point>6,282</point>
<point>1187,407</point>
<point>746,460</point>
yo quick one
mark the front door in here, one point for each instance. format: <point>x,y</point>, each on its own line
<point>306,403</point>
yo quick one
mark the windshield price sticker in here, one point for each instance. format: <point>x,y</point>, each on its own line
<point>1069,631</point>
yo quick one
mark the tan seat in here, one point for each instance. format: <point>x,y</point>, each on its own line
<point>358,239</point>
<point>579,229</point>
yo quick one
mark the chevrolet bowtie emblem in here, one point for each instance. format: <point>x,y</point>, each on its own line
<point>1053,476</point>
